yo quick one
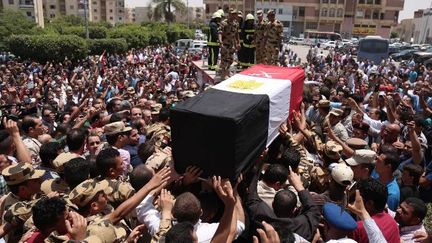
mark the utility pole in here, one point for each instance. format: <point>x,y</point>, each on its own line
<point>187,12</point>
<point>86,18</point>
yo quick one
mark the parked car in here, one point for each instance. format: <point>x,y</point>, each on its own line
<point>420,57</point>
<point>296,41</point>
<point>403,55</point>
<point>328,45</point>
<point>428,63</point>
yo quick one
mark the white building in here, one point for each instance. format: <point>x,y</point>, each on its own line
<point>423,27</point>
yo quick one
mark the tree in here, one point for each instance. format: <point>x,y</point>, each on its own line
<point>13,22</point>
<point>394,34</point>
<point>165,9</point>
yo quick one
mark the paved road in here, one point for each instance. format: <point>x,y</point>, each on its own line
<point>302,51</point>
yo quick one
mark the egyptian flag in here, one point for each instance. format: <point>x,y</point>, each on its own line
<point>224,129</point>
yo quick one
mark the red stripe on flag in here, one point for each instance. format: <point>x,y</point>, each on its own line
<point>294,74</point>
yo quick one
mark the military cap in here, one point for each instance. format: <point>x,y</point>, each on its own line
<point>356,143</point>
<point>82,194</point>
<point>131,90</point>
<point>338,217</point>
<point>342,174</point>
<point>323,103</point>
<point>332,150</point>
<point>362,156</point>
<point>116,127</point>
<point>62,159</point>
<point>21,172</point>
<point>54,185</point>
<point>336,112</point>
<point>271,11</point>
<point>155,108</point>
<point>259,12</point>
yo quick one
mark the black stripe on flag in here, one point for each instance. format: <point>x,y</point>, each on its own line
<point>219,131</point>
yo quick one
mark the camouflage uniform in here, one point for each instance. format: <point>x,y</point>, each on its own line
<point>33,146</point>
<point>160,134</point>
<point>118,191</point>
<point>259,39</point>
<point>14,210</point>
<point>273,41</point>
<point>229,31</point>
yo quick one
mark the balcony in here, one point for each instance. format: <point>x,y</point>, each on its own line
<point>26,3</point>
<point>395,3</point>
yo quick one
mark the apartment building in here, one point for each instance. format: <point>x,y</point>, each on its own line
<point>348,17</point>
<point>422,24</point>
<point>111,11</point>
<point>33,9</point>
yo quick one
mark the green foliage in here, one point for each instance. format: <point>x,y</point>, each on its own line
<point>13,22</point>
<point>157,37</point>
<point>136,36</point>
<point>394,35</point>
<point>98,46</point>
<point>167,9</point>
<point>175,33</point>
<point>48,47</point>
<point>95,32</point>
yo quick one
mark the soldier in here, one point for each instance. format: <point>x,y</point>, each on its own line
<point>273,38</point>
<point>229,39</point>
<point>247,47</point>
<point>24,184</point>
<point>240,52</point>
<point>259,37</point>
<point>212,41</point>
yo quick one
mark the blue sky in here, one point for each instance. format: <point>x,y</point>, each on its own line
<point>408,12</point>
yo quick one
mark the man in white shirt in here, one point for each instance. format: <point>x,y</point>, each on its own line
<point>187,208</point>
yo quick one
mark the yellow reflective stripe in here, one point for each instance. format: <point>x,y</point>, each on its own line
<point>210,43</point>
<point>246,64</point>
<point>248,46</point>
<point>249,31</point>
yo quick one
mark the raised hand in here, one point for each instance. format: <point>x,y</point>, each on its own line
<point>76,226</point>
<point>224,190</point>
<point>191,175</point>
<point>268,235</point>
<point>160,179</point>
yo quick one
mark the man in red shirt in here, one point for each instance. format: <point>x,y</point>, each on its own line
<point>374,194</point>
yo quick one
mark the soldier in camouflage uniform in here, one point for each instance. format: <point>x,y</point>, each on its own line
<point>259,37</point>
<point>273,39</point>
<point>90,198</point>
<point>24,183</point>
<point>229,39</point>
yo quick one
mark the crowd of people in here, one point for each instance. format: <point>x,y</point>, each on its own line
<point>85,151</point>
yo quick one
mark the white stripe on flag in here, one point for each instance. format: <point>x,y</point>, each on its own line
<point>278,91</point>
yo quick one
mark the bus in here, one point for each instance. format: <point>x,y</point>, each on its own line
<point>373,48</point>
<point>313,37</point>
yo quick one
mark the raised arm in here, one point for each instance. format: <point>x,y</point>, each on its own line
<point>23,155</point>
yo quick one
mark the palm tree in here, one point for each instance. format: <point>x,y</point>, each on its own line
<point>165,9</point>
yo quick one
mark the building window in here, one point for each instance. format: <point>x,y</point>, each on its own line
<point>332,12</point>
<point>312,25</point>
<point>52,16</point>
<point>324,12</point>
<point>95,10</point>
<point>377,2</point>
<point>302,11</point>
<point>341,1</point>
<point>94,3</point>
<point>362,1</point>
<point>325,1</point>
<point>369,1</point>
<point>339,12</point>
<point>110,10</point>
<point>382,16</point>
<point>120,18</point>
<point>367,14</point>
<point>52,7</point>
<point>337,27</point>
<point>333,1</point>
<point>280,11</point>
<point>375,14</point>
<point>95,17</point>
<point>29,14</point>
<point>111,18</point>
<point>11,2</point>
<point>71,7</point>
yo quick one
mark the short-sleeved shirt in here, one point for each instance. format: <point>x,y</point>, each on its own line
<point>393,195</point>
<point>386,224</point>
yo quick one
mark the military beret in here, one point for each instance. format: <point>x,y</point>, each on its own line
<point>336,112</point>
<point>362,156</point>
<point>356,143</point>
<point>338,217</point>
<point>323,103</point>
<point>332,150</point>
